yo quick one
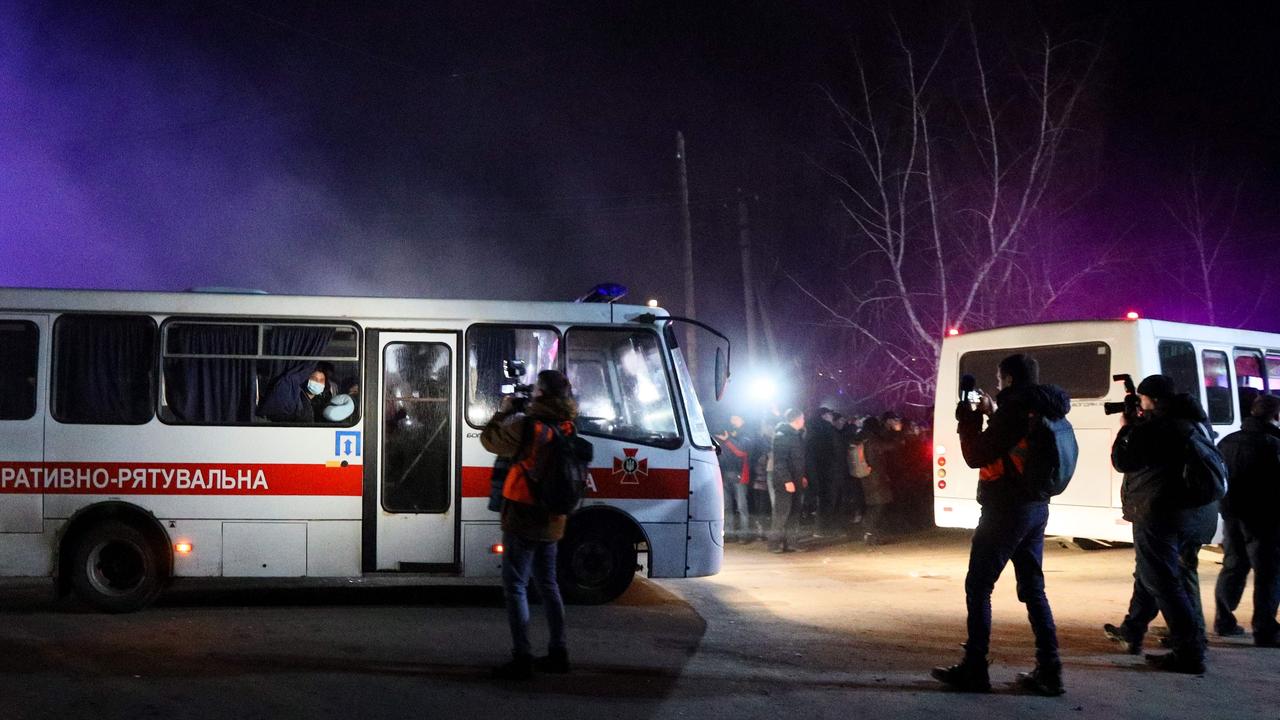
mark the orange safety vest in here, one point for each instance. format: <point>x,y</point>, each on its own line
<point>516,486</point>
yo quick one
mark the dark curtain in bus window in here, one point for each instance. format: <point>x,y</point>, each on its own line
<point>417,382</point>
<point>19,345</point>
<point>1178,361</point>
<point>487,348</point>
<point>211,390</point>
<point>103,369</point>
<point>283,380</point>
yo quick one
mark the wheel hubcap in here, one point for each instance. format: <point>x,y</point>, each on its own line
<point>592,563</point>
<point>116,567</point>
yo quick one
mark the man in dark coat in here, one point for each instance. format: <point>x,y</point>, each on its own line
<point>1251,523</point>
<point>787,480</point>
<point>1011,526</point>
<point>819,436</point>
<point>1168,530</point>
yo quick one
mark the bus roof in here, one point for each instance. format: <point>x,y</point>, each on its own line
<point>1158,328</point>
<point>307,306</point>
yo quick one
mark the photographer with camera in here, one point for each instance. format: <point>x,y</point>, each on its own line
<point>529,530</point>
<point>1160,448</point>
<point>1025,455</point>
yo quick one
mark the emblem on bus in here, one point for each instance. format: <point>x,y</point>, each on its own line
<point>346,443</point>
<point>630,468</point>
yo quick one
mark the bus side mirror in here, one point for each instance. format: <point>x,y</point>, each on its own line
<point>722,374</point>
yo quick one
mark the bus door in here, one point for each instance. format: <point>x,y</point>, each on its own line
<point>416,511</point>
<point>24,348</point>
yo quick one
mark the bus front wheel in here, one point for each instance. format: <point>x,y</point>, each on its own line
<point>596,565</point>
<point>114,568</point>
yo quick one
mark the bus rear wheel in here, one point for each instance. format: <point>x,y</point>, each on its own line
<point>596,565</point>
<point>114,568</point>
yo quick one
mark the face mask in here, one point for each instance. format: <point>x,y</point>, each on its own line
<point>315,388</point>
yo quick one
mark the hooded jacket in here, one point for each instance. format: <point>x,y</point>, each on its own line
<point>521,436</point>
<point>1152,456</point>
<point>1253,461</point>
<point>1001,484</point>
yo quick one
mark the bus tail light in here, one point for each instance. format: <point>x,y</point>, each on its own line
<point>496,548</point>
<point>183,548</point>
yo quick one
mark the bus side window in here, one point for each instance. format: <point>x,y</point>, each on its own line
<point>1178,361</point>
<point>1273,372</point>
<point>19,345</point>
<point>1217,387</point>
<point>1250,379</point>
<point>103,369</point>
<point>488,346</point>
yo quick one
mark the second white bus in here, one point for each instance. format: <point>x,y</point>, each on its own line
<point>1212,364</point>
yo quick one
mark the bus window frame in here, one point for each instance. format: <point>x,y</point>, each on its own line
<point>1231,383</point>
<point>466,351</point>
<point>674,396</point>
<point>673,344</point>
<point>153,386</point>
<point>1260,355</point>
<point>35,391</point>
<point>162,344</point>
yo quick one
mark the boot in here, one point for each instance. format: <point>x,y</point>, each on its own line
<point>555,661</point>
<point>968,676</point>
<point>519,668</point>
<point>1046,679</point>
<point>1133,646</point>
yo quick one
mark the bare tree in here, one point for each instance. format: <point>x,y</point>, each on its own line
<point>947,166</point>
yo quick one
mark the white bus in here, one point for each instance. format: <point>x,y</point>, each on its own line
<point>1211,363</point>
<point>149,436</point>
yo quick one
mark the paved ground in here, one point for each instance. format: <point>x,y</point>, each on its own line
<point>838,632</point>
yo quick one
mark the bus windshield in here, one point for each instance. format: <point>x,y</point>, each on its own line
<point>621,384</point>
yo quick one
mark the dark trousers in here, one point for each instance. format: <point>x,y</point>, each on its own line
<point>786,516</point>
<point>1167,580</point>
<point>1249,546</point>
<point>1004,535</point>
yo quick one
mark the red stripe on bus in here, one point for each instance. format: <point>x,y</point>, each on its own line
<point>116,478</point>
<point>655,484</point>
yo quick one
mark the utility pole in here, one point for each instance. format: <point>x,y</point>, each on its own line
<point>691,342</point>
<point>748,290</point>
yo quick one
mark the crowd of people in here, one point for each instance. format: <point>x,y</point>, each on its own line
<point>822,475</point>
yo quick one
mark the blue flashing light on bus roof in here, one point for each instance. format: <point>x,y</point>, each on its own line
<point>604,293</point>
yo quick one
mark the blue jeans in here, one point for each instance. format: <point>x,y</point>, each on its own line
<point>520,559</point>
<point>1014,534</point>
<point>735,504</point>
<point>1167,580</point>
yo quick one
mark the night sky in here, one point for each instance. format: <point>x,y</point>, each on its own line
<point>526,150</point>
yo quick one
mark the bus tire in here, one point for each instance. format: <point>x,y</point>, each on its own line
<point>114,568</point>
<point>596,564</point>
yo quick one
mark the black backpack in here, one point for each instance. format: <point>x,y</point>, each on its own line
<point>558,478</point>
<point>1205,473</point>
<point>1051,453</point>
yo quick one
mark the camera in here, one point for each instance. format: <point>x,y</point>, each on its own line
<point>520,393</point>
<point>1129,406</point>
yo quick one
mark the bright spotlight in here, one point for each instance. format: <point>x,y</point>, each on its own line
<point>653,302</point>
<point>763,388</point>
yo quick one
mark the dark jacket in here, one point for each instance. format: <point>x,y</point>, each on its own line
<point>819,436</point>
<point>1152,456</point>
<point>884,449</point>
<point>1253,461</point>
<point>788,456</point>
<point>1001,484</point>
<point>515,436</point>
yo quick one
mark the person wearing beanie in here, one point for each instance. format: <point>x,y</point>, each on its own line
<point>1151,451</point>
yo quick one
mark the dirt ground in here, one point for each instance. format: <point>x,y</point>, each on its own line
<point>840,631</point>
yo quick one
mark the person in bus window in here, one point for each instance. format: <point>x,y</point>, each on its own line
<point>1015,511</point>
<point>297,400</point>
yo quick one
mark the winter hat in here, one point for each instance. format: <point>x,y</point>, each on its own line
<point>1157,387</point>
<point>890,415</point>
